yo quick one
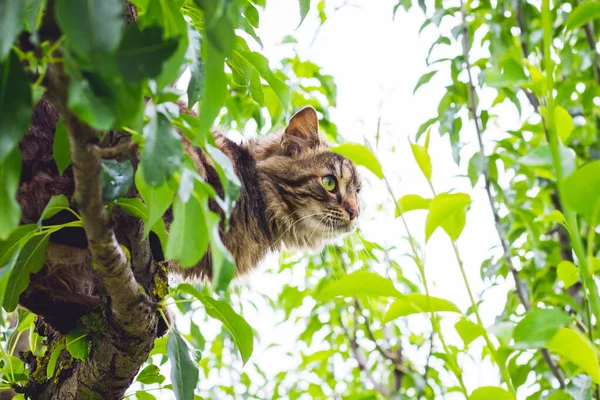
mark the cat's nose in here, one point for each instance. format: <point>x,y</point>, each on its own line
<point>352,208</point>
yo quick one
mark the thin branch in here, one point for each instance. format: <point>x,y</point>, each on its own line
<point>385,353</point>
<point>134,311</point>
<point>499,229</point>
<point>362,362</point>
<point>123,149</point>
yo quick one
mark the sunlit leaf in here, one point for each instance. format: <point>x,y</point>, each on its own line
<point>563,123</point>
<point>575,347</point>
<point>415,303</point>
<point>411,202</point>
<point>468,330</point>
<point>585,12</point>
<point>490,392</point>
<point>360,155</point>
<point>423,160</point>
<point>568,273</point>
<point>51,367</point>
<point>538,327</point>
<point>360,283</point>
<point>581,190</point>
<point>447,210</point>
<point>149,375</point>
<point>157,199</point>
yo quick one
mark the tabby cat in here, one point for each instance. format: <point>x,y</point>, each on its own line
<point>294,192</point>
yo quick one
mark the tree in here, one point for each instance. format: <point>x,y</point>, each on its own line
<point>108,67</point>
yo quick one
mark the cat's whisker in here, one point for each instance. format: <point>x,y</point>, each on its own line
<point>314,230</point>
<point>290,227</point>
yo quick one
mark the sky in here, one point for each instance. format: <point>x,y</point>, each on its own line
<point>376,61</point>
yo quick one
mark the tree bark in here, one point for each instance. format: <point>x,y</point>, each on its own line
<point>122,329</point>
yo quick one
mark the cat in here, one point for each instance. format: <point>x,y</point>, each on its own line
<point>294,193</point>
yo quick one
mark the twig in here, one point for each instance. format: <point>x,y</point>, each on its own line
<point>362,362</point>
<point>122,149</point>
<point>499,229</point>
<point>427,366</point>
<point>385,353</point>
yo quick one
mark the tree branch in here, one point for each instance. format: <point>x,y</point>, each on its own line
<point>499,229</point>
<point>362,362</point>
<point>135,312</point>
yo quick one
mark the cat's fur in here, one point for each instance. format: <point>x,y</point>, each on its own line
<point>282,201</point>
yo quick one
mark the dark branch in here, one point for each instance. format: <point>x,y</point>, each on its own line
<point>499,229</point>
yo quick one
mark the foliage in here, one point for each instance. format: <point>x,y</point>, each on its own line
<point>542,180</point>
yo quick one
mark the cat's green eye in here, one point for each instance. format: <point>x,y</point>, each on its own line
<point>329,182</point>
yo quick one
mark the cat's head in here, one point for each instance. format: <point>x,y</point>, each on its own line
<point>312,192</point>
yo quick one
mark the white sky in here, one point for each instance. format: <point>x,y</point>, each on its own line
<point>375,59</point>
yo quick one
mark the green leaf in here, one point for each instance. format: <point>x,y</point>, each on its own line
<point>142,395</point>
<point>188,240</point>
<point>581,190</point>
<point>149,375</point>
<point>196,85</point>
<point>162,154</point>
<point>10,210</point>
<point>12,15</point>
<point>411,202</point>
<point>575,347</point>
<point>117,178</point>
<point>490,392</point>
<point>415,303</point>
<point>568,273</point>
<point>468,331</point>
<point>78,344</point>
<point>304,9</point>
<point>447,210</point>
<point>423,80</point>
<point>236,325</point>
<point>14,241</point>
<point>92,27</point>
<point>15,99</point>
<point>220,22</point>
<point>476,168</point>
<point>360,283</point>
<point>158,199</point>
<point>215,88</point>
<point>261,64</point>
<point>538,327</point>
<point>563,123</point>
<point>53,359</point>
<point>585,12</point>
<point>541,157</point>
<point>62,147</point>
<point>360,155</point>
<point>184,373</point>
<point>54,206</point>
<point>142,52</point>
<point>30,260</point>
<point>88,107</point>
<point>423,160</point>
<point>560,395</point>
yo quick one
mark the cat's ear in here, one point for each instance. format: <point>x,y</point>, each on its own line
<point>302,131</point>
